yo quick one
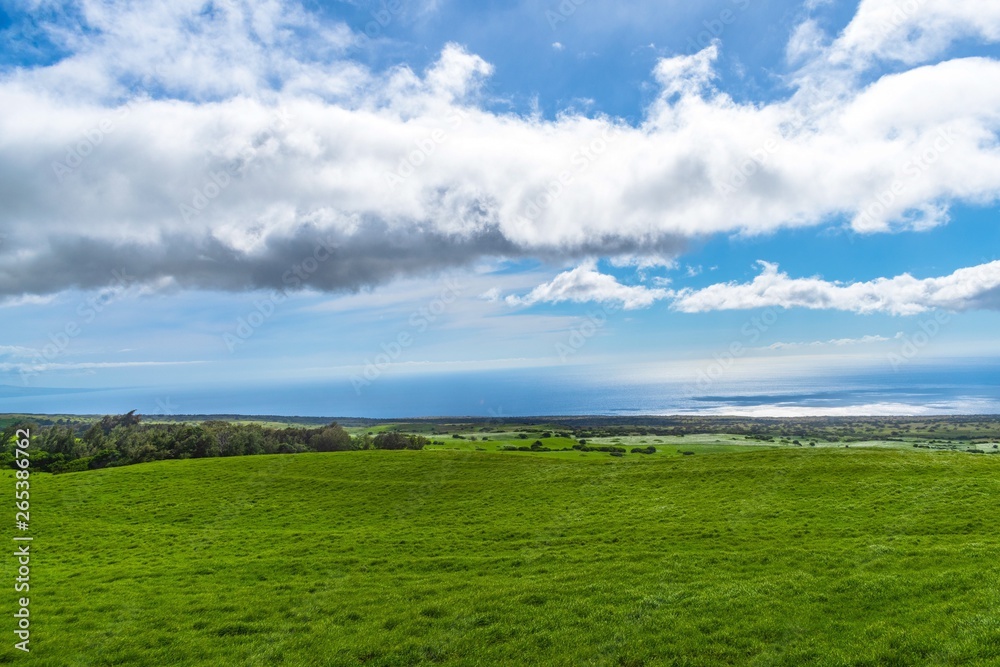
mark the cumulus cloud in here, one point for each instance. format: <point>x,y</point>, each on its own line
<point>912,31</point>
<point>225,145</point>
<point>687,74</point>
<point>970,288</point>
<point>642,262</point>
<point>584,284</point>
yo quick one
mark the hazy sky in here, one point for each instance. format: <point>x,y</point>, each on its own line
<point>196,192</point>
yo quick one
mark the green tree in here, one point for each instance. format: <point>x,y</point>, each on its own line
<point>333,438</point>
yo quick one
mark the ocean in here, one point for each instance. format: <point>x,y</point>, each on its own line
<point>940,390</point>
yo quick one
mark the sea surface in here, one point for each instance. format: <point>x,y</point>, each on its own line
<point>969,389</point>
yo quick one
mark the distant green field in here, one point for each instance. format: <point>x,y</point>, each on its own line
<point>665,446</point>
<point>766,557</point>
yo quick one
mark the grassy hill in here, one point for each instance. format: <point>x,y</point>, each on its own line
<point>761,557</point>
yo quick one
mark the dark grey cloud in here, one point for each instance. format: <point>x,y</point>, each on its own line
<point>374,254</point>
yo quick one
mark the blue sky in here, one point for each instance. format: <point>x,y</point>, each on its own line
<point>245,195</point>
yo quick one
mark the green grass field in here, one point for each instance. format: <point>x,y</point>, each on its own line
<point>788,556</point>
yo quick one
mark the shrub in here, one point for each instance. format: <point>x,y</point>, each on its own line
<point>391,440</point>
<point>78,465</point>
<point>332,439</point>
<point>104,459</point>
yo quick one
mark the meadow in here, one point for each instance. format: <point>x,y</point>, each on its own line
<point>740,554</point>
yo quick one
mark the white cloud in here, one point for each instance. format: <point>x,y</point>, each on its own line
<point>643,262</point>
<point>864,340</point>
<point>407,173</point>
<point>457,73</point>
<point>971,288</point>
<point>27,299</point>
<point>913,31</point>
<point>17,351</point>
<point>836,342</point>
<point>88,365</point>
<point>966,289</point>
<point>492,295</point>
<point>687,75</point>
<point>806,40</point>
<point>885,409</point>
<point>186,47</point>
<point>584,284</point>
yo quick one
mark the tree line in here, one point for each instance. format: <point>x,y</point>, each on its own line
<point>117,440</point>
